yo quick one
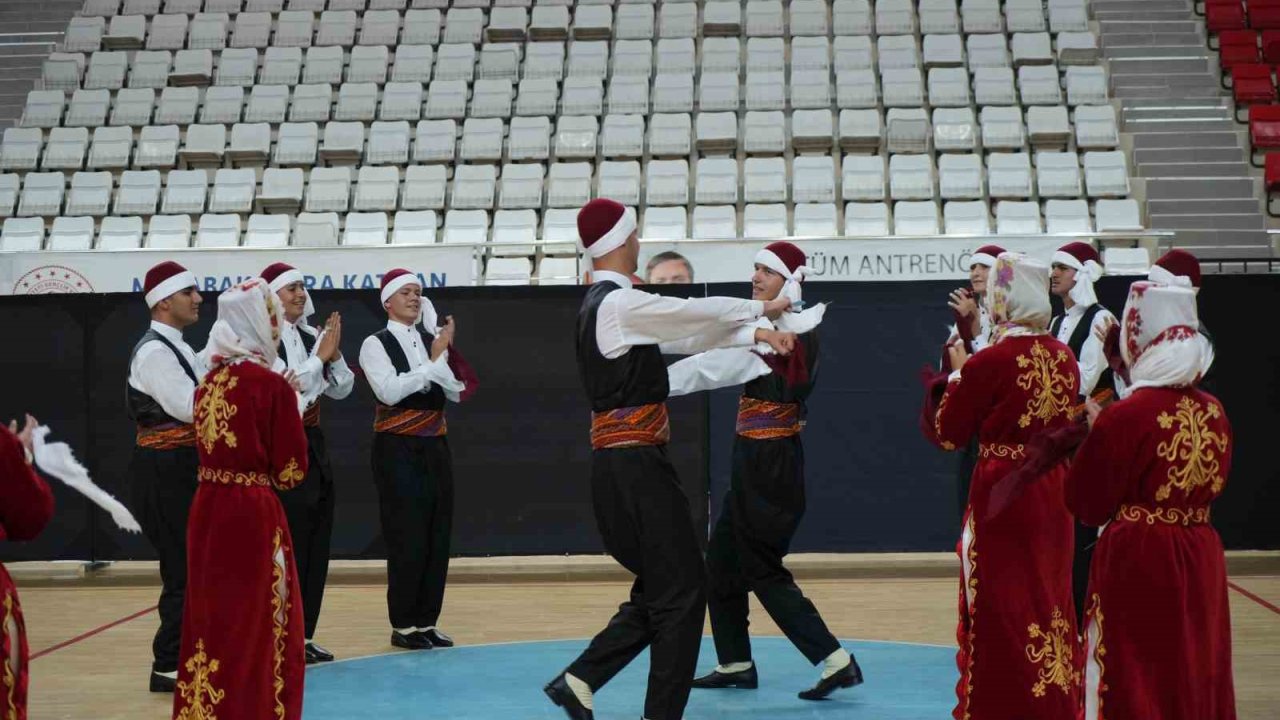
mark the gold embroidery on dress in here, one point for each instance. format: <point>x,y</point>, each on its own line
<point>200,689</point>
<point>937,419</point>
<point>291,475</point>
<point>971,606</point>
<point>1010,452</point>
<point>1095,611</point>
<point>1168,516</point>
<point>1051,389</point>
<point>231,477</point>
<point>1053,653</point>
<point>279,615</point>
<point>214,412</point>
<point>1194,445</point>
<point>11,667</point>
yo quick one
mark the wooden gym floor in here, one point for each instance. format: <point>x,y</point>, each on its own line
<point>91,641</point>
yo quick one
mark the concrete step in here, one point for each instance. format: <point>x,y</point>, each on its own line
<point>1178,125</point>
<point>1208,222</point>
<point>1223,244</point>
<point>1170,112</point>
<point>1166,208</point>
<point>1195,170</point>
<point>1198,66</point>
<point>1137,17</point>
<point>1164,156</point>
<point>1164,93</point>
<point>1115,41</point>
<point>1166,140</point>
<point>1157,52</point>
<point>1114,27</point>
<point>1220,103</point>
<point>1197,189</point>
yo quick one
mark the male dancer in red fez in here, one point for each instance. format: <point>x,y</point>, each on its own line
<point>26,504</point>
<point>973,328</point>
<point>1159,624</point>
<point>163,374</point>
<point>1076,267</point>
<point>765,502</point>
<point>315,360</point>
<point>642,512</point>
<point>242,628</point>
<point>413,372</point>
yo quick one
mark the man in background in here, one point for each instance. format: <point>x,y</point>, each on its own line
<point>668,268</point>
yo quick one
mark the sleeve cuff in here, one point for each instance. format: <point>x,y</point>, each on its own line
<point>954,376</point>
<point>744,336</point>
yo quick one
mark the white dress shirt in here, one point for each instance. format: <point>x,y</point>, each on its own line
<point>310,369</point>
<point>155,370</point>
<point>391,387</point>
<point>628,317</point>
<point>1092,361</point>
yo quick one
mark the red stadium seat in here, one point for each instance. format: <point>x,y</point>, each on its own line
<point>1272,176</point>
<point>1264,15</point>
<point>1264,130</point>
<point>1218,18</point>
<point>1238,47</point>
<point>1252,85</point>
<point>1271,47</point>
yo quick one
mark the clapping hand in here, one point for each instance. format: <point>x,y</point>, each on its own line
<point>25,435</point>
<point>444,339</point>
<point>958,355</point>
<point>330,345</point>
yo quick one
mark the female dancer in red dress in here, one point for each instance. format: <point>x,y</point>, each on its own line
<point>1158,629</point>
<point>1018,646</point>
<point>242,632</point>
<point>26,504</point>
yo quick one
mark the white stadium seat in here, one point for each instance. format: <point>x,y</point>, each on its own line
<point>915,218</point>
<point>316,230</point>
<point>1018,218</point>
<point>414,227</point>
<point>42,194</point>
<point>764,221</point>
<point>377,188</point>
<point>90,194</point>
<point>424,187</point>
<point>218,231</point>
<point>71,234</point>
<point>170,232</point>
<point>365,229</point>
<point>966,218</point>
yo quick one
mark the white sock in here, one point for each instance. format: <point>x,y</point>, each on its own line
<point>835,662</point>
<point>309,641</point>
<point>171,675</point>
<point>581,690</point>
<point>406,631</point>
<point>734,667</point>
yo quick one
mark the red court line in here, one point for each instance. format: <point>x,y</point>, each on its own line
<point>85,636</point>
<point>1253,597</point>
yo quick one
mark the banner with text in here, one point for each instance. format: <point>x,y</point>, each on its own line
<point>30,273</point>
<point>850,259</point>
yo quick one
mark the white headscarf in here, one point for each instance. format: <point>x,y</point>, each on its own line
<point>1018,297</point>
<point>248,324</point>
<point>1159,337</point>
<point>1087,273</point>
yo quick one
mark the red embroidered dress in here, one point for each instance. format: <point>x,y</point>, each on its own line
<point>1159,624</point>
<point>26,504</point>
<point>1018,655</point>
<point>242,631</point>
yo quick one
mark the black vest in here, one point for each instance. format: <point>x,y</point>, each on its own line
<point>639,377</point>
<point>1079,335</point>
<point>434,398</point>
<point>773,388</point>
<point>308,343</point>
<point>142,408</point>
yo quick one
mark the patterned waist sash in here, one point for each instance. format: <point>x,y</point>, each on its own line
<point>407,421</point>
<point>232,477</point>
<point>311,418</point>
<point>167,437</point>
<point>1001,450</point>
<point>630,427</point>
<point>764,420</point>
<point>1164,516</point>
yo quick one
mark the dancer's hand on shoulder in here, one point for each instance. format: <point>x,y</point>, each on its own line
<point>783,343</point>
<point>958,354</point>
<point>773,309</point>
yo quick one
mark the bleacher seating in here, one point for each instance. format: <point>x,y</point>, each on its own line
<point>395,121</point>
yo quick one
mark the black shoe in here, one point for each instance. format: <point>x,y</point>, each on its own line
<point>847,677</point>
<point>744,680</point>
<point>317,654</point>
<point>162,684</point>
<point>560,694</point>
<point>437,638</point>
<point>412,641</point>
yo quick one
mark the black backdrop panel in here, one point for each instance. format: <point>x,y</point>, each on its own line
<point>520,445</point>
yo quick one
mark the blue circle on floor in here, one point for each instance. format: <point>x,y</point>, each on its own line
<point>492,682</point>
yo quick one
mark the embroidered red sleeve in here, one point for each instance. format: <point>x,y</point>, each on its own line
<point>964,404</point>
<point>26,502</point>
<point>288,454</point>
